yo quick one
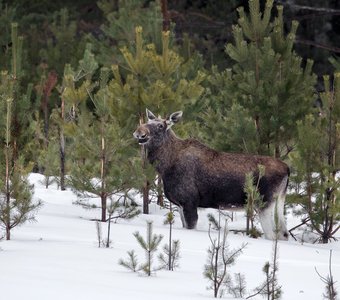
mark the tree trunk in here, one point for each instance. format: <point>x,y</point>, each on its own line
<point>8,232</point>
<point>165,13</point>
<point>103,202</point>
<point>62,148</point>
<point>146,189</point>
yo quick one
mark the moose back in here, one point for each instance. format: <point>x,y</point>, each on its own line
<point>195,175</point>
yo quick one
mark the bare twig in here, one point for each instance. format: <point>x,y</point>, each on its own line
<point>305,7</point>
<point>304,221</point>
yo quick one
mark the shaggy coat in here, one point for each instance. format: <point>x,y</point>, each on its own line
<point>195,175</point>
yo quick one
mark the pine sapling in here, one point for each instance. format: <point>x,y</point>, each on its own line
<point>149,245</point>
<point>131,263</point>
<point>330,293</point>
<point>270,289</point>
<point>253,201</point>
<point>170,256</point>
<point>220,257</point>
<point>119,210</point>
<point>237,287</point>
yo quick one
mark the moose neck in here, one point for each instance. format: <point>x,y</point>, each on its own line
<point>161,155</point>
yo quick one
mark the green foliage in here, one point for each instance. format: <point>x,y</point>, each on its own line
<point>268,85</point>
<point>156,81</point>
<point>131,263</point>
<point>100,164</point>
<point>63,46</point>
<point>169,259</point>
<point>254,200</point>
<point>16,205</point>
<point>149,245</point>
<point>122,20</point>
<point>317,162</point>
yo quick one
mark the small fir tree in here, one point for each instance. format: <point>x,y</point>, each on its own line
<point>16,203</point>
<point>100,166</point>
<point>331,292</point>
<point>271,289</point>
<point>73,93</point>
<point>220,257</point>
<point>149,245</point>
<point>317,160</point>
<point>254,201</point>
<point>171,255</point>
<point>131,263</point>
<point>121,208</point>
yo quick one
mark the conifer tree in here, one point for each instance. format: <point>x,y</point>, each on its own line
<point>170,256</point>
<point>100,164</point>
<point>317,161</point>
<point>121,208</point>
<point>74,92</point>
<point>16,203</point>
<point>220,258</point>
<point>253,200</point>
<point>267,86</point>
<point>149,245</point>
<point>60,53</point>
<point>121,19</point>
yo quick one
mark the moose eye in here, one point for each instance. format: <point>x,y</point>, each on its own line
<point>160,126</point>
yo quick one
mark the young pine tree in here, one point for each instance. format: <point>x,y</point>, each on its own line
<point>270,289</point>
<point>317,160</point>
<point>100,166</point>
<point>267,86</point>
<point>220,258</point>
<point>171,255</point>
<point>122,208</point>
<point>73,93</point>
<point>253,201</point>
<point>149,245</point>
<point>16,203</point>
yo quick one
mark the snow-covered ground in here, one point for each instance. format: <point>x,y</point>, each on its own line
<point>57,258</point>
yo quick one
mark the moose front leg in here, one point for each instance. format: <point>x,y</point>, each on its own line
<point>189,216</point>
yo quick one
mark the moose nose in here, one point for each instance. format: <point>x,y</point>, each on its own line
<point>138,135</point>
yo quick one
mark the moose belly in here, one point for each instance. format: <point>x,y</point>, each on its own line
<point>226,195</point>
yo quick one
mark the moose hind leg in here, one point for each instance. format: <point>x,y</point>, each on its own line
<point>267,215</point>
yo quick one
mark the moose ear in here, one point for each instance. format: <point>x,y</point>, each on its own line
<point>150,115</point>
<point>174,118</point>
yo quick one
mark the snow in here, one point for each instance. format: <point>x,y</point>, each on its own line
<point>57,257</point>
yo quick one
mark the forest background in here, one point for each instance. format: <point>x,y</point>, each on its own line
<point>77,77</point>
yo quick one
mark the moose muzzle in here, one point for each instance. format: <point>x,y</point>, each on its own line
<point>142,135</point>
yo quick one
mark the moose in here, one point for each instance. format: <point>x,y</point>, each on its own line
<point>195,175</point>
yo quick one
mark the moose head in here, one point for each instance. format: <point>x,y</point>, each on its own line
<point>156,129</point>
